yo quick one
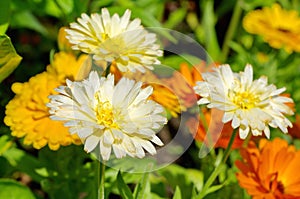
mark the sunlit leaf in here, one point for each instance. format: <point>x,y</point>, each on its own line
<point>9,59</point>
<point>66,6</point>
<point>124,190</point>
<point>5,143</point>
<point>211,41</point>
<point>175,18</point>
<point>14,190</point>
<point>197,177</point>
<point>142,190</point>
<point>177,194</point>
<point>214,188</point>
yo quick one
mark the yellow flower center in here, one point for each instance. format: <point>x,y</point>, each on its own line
<point>105,114</point>
<point>104,36</point>
<point>245,100</point>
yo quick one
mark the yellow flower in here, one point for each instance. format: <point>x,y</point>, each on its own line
<point>66,66</point>
<point>278,27</point>
<point>62,42</point>
<point>27,114</point>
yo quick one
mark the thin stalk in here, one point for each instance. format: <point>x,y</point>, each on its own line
<point>247,140</point>
<point>101,180</point>
<point>237,12</point>
<point>208,134</point>
<point>217,170</point>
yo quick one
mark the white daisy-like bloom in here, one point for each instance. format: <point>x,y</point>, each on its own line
<point>108,116</point>
<point>251,105</point>
<point>115,39</point>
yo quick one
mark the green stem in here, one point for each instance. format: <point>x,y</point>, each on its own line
<point>247,140</point>
<point>208,134</point>
<point>217,170</point>
<point>237,12</point>
<point>101,179</point>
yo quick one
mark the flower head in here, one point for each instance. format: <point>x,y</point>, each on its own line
<point>269,171</point>
<point>251,105</point>
<point>279,27</point>
<point>118,117</point>
<point>115,39</point>
<point>27,114</point>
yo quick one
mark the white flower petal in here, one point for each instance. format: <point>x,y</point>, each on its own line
<point>251,105</point>
<point>127,125</point>
<point>91,143</point>
<point>115,39</point>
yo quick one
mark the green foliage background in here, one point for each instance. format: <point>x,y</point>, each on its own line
<point>28,31</point>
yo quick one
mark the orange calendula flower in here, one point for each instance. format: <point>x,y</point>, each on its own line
<point>212,131</point>
<point>162,94</point>
<point>278,27</point>
<point>182,83</point>
<point>269,171</point>
<point>295,130</point>
<point>27,114</point>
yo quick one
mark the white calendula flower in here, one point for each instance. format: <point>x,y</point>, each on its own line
<point>108,116</point>
<point>115,39</point>
<point>251,105</point>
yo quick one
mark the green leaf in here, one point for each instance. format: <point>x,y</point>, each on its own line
<point>140,189</point>
<point>9,59</point>
<point>42,172</point>
<point>176,175</point>
<point>192,20</point>
<point>214,188</point>
<point>66,6</point>
<point>81,6</point>
<point>11,189</point>
<point>174,61</point>
<point>177,194</point>
<point>52,8</point>
<point>4,15</point>
<point>23,162</point>
<point>175,18</point>
<point>211,41</point>
<point>5,143</point>
<point>124,190</point>
<point>197,177</point>
<point>26,19</point>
